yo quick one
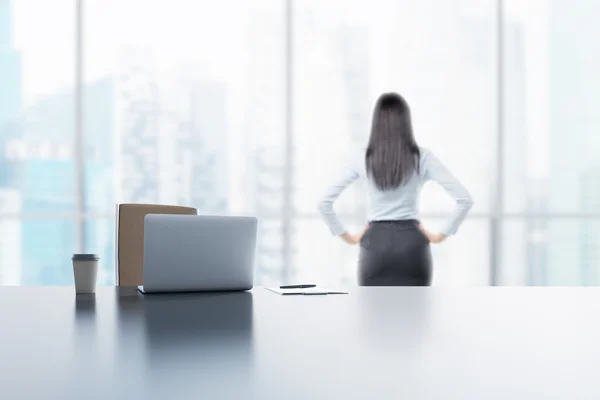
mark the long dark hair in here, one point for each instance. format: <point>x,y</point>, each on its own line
<point>392,155</point>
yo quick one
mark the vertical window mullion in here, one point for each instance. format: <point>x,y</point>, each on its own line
<point>79,129</point>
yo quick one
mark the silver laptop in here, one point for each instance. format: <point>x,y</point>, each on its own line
<point>192,253</point>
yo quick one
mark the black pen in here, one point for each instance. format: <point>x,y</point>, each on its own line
<point>297,286</point>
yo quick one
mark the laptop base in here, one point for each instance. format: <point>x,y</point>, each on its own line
<point>141,290</point>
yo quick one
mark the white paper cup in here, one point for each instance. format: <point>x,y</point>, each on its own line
<point>85,271</point>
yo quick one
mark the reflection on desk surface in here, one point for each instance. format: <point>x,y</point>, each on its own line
<point>198,320</point>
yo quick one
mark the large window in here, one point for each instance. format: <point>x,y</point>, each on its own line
<point>250,106</point>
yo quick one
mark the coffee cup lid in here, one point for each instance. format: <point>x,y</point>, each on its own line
<point>85,257</point>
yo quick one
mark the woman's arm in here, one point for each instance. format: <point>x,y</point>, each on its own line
<point>347,176</point>
<point>434,170</point>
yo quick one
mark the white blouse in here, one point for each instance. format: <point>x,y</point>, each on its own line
<point>399,203</point>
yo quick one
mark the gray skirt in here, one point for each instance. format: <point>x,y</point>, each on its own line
<point>394,253</point>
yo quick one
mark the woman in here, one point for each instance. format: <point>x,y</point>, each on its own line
<point>394,247</point>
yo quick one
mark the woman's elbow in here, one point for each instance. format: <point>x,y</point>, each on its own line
<point>466,202</point>
<point>323,206</point>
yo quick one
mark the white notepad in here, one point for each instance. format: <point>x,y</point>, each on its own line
<point>305,291</point>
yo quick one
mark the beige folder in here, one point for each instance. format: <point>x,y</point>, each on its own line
<point>129,250</point>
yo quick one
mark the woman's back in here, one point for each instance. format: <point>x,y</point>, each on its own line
<point>400,203</point>
<point>396,203</point>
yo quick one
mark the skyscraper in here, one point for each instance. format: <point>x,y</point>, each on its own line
<point>193,149</point>
<point>203,146</point>
<point>524,191</point>
<point>47,187</point>
<point>10,105</point>
<point>34,164</point>
<point>573,65</point>
<point>137,129</point>
<point>265,173</point>
<point>43,157</point>
<point>10,90</point>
